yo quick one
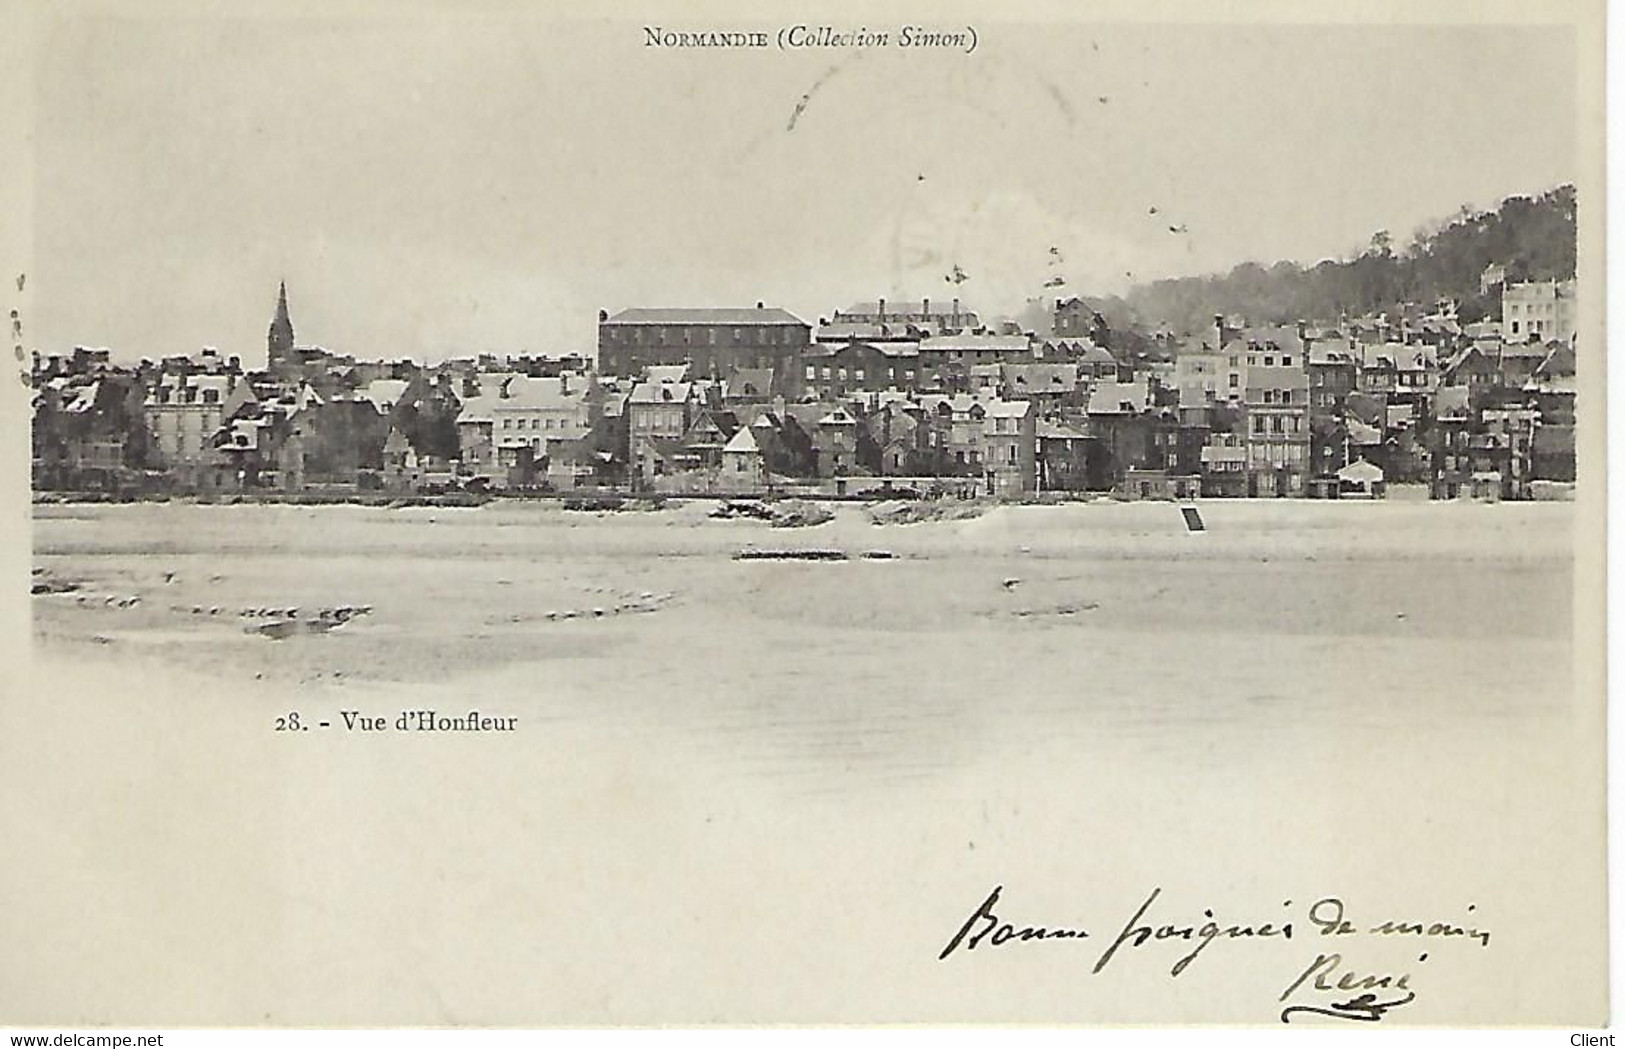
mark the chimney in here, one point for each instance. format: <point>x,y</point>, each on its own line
<point>603,315</point>
<point>760,305</point>
<point>925,309</point>
<point>564,384</point>
<point>1218,332</point>
<point>880,312</point>
<point>956,312</point>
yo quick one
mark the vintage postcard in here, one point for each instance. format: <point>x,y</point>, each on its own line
<point>694,514</point>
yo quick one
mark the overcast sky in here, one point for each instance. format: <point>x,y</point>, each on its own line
<point>433,187</point>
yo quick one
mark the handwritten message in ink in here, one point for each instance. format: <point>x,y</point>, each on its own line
<point>1328,983</point>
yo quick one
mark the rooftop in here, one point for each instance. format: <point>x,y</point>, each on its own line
<point>901,307</point>
<point>660,392</point>
<point>743,441</point>
<point>1008,409</point>
<point>1114,397</point>
<point>1018,343</point>
<point>705,315</point>
<point>842,331</point>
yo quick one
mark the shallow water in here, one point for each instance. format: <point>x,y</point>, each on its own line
<point>1052,624</point>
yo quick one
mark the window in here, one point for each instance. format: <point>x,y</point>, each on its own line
<point>1258,424</point>
<point>840,373</point>
<point>1269,362</point>
<point>1235,380</point>
<point>1012,453</point>
<point>812,372</point>
<point>1286,362</point>
<point>1277,425</point>
<point>826,372</point>
<point>1286,396</point>
<point>857,374</point>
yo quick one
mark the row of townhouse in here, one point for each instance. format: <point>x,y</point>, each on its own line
<point>1498,439</point>
<point>199,423</point>
<point>739,398</point>
<point>1290,408</point>
<point>309,418</point>
<point>686,435</point>
<point>868,346</point>
<point>224,429</point>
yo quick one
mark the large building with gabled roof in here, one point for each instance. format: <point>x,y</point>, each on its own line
<point>715,343</point>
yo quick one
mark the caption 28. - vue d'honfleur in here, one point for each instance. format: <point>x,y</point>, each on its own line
<point>1447,368</point>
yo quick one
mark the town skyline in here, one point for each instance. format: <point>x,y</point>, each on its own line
<point>1042,300</point>
<point>450,182</point>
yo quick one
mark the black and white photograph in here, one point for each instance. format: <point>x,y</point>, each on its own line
<point>706,515</point>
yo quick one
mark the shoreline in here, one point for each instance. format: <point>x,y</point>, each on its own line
<point>618,500</point>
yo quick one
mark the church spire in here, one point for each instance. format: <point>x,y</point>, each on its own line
<point>279,341</point>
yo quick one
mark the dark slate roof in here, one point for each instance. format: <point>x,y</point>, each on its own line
<point>1557,363</point>
<point>1555,440</point>
<point>668,447</point>
<point>687,315</point>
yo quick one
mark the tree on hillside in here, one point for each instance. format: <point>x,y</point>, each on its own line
<point>1533,237</point>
